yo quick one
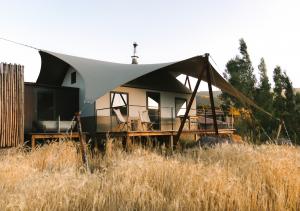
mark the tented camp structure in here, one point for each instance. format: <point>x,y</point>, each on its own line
<point>97,88</point>
<point>147,98</point>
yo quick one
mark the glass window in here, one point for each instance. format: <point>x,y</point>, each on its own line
<point>119,100</point>
<point>153,107</point>
<point>180,106</point>
<point>73,77</point>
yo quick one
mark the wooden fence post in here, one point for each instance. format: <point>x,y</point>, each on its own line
<point>11,105</point>
<point>82,139</point>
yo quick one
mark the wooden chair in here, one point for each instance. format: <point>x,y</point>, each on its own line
<point>145,120</point>
<point>122,123</point>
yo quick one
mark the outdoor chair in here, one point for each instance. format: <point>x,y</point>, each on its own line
<point>122,123</point>
<point>145,120</point>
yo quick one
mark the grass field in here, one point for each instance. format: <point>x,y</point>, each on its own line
<point>229,177</point>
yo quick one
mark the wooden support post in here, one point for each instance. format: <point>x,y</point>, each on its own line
<point>212,103</point>
<point>171,144</point>
<point>279,130</point>
<point>58,124</point>
<point>32,142</point>
<point>205,119</point>
<point>82,142</point>
<point>172,114</point>
<point>231,120</point>
<point>128,143</point>
<point>177,137</point>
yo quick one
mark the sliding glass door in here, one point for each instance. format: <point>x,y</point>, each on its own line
<point>153,107</point>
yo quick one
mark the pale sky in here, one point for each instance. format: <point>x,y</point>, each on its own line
<point>166,30</point>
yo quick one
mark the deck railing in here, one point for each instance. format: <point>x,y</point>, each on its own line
<point>163,119</point>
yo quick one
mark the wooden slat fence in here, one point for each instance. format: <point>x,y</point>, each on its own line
<point>11,105</point>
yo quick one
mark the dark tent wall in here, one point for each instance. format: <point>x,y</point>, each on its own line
<point>159,81</point>
<point>48,103</point>
<point>54,66</point>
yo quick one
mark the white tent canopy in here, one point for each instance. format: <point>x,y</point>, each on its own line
<point>100,77</point>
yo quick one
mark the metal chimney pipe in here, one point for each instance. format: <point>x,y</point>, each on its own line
<point>134,57</point>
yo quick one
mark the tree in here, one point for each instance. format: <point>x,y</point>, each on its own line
<point>297,115</point>
<point>290,106</point>
<point>284,97</point>
<point>279,101</point>
<point>264,99</point>
<point>297,104</point>
<point>282,103</point>
<point>289,94</point>
<point>285,102</point>
<point>240,73</point>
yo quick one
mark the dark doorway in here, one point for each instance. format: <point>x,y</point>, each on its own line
<point>153,107</point>
<point>45,105</point>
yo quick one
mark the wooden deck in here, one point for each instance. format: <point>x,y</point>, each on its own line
<point>35,136</point>
<point>163,133</point>
<point>128,135</point>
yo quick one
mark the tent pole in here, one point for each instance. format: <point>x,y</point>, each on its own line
<point>212,103</point>
<point>177,137</point>
<point>279,130</point>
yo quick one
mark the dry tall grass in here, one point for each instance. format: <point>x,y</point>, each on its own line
<point>229,177</point>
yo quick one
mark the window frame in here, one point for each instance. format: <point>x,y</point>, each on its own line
<point>111,98</point>
<point>73,77</point>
